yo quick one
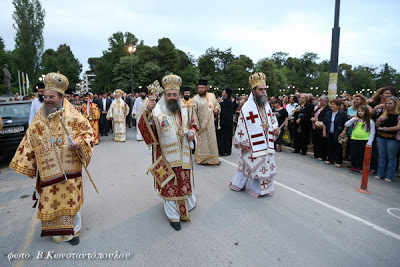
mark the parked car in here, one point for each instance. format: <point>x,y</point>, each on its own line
<point>15,116</point>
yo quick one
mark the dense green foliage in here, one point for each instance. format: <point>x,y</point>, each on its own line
<point>222,69</point>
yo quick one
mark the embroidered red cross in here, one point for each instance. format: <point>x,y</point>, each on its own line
<point>70,188</point>
<point>252,117</point>
<point>264,184</point>
<point>55,204</point>
<point>272,167</point>
<point>71,202</point>
<point>39,128</point>
<point>263,170</point>
<point>240,133</point>
<point>54,190</point>
<point>252,159</point>
<point>30,155</point>
<point>74,124</point>
<point>40,207</point>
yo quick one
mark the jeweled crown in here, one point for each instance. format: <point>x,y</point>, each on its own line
<point>171,82</point>
<point>257,78</point>
<point>55,81</point>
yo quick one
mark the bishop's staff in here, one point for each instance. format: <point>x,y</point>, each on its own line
<point>70,142</point>
<point>297,108</point>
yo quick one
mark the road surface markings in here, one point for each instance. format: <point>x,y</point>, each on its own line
<point>29,238</point>
<point>389,210</point>
<point>345,213</point>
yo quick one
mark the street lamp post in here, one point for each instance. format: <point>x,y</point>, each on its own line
<point>131,50</point>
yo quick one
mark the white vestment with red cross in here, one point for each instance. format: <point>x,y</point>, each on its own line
<point>259,162</point>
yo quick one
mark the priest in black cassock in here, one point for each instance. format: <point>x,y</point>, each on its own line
<point>224,134</point>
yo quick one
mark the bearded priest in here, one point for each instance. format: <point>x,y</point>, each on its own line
<point>255,134</point>
<point>48,153</point>
<point>117,114</point>
<point>168,127</point>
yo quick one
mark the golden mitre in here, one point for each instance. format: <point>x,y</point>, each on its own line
<point>171,82</point>
<point>55,82</point>
<point>118,92</point>
<point>257,78</point>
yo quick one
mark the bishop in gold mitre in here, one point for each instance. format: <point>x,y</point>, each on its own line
<point>46,155</point>
<point>169,129</point>
<point>255,134</point>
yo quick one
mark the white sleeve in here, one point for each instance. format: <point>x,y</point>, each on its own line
<point>32,113</point>
<point>371,132</point>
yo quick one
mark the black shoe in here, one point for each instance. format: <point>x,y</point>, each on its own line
<point>302,153</point>
<point>294,151</point>
<point>74,241</point>
<point>176,225</point>
<point>101,134</point>
<point>106,134</point>
<point>224,154</point>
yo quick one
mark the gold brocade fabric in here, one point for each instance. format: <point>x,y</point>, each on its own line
<point>203,113</point>
<point>93,118</point>
<point>118,112</point>
<point>187,102</point>
<point>44,149</point>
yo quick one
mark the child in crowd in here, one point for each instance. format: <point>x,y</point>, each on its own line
<point>363,132</point>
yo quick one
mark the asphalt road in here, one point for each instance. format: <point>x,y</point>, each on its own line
<point>315,218</point>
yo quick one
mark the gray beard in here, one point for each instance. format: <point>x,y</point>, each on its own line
<point>49,110</point>
<point>261,100</point>
<point>173,106</point>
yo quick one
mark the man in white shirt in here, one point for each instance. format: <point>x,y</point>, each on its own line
<point>37,102</point>
<point>289,108</point>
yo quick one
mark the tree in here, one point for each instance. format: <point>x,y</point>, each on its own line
<point>238,72</point>
<point>29,23</point>
<point>386,76</point>
<point>276,79</point>
<point>169,58</point>
<point>62,60</point>
<point>280,58</point>
<point>104,70</point>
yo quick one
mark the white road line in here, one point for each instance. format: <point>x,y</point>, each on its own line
<point>389,210</point>
<point>345,213</point>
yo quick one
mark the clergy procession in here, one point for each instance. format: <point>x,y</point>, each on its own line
<point>179,130</point>
<point>178,138</point>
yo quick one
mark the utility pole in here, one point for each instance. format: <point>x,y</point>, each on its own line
<point>333,75</point>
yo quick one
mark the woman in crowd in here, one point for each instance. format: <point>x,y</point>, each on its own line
<point>333,125</point>
<point>377,105</point>
<point>388,124</point>
<point>363,132</point>
<point>302,125</point>
<point>320,143</point>
<point>281,115</point>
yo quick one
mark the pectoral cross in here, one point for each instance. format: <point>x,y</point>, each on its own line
<point>265,124</point>
<point>52,140</point>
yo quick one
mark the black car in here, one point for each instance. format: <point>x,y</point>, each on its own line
<point>15,117</point>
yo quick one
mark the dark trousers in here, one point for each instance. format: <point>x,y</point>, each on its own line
<point>320,144</point>
<point>374,156</point>
<point>129,120</point>
<point>302,138</point>
<point>224,138</point>
<point>357,150</point>
<point>103,124</point>
<point>334,150</point>
<point>291,130</point>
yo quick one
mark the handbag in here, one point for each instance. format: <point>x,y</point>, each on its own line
<point>319,124</point>
<point>286,137</point>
